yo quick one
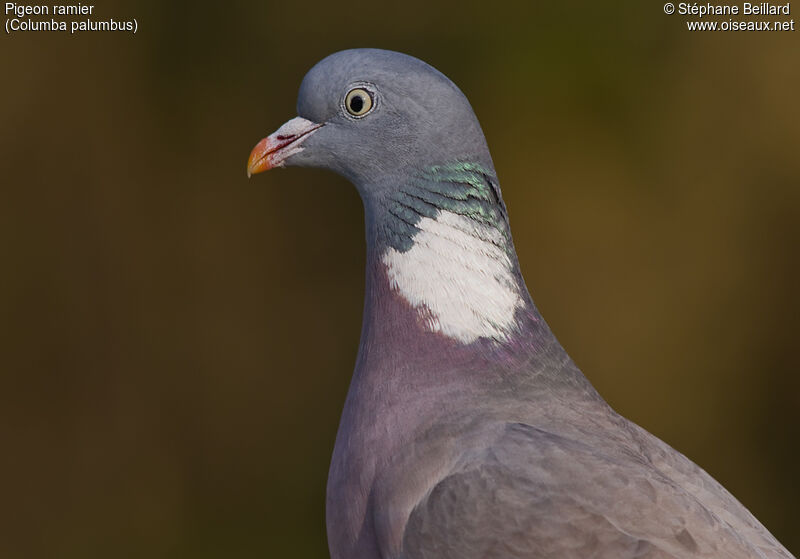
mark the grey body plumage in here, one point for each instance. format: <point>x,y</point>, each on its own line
<point>469,432</point>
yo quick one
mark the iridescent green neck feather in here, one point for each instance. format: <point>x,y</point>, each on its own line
<point>463,188</point>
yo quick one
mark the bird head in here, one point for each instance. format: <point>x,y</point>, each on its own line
<point>371,115</point>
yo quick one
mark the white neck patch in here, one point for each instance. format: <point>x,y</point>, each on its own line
<point>458,277</point>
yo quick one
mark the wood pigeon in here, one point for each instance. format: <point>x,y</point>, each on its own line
<point>468,432</point>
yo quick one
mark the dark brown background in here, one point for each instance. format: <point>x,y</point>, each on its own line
<point>176,341</point>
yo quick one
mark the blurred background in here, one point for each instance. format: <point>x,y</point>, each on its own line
<point>176,341</point>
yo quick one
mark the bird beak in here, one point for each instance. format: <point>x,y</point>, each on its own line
<point>273,150</point>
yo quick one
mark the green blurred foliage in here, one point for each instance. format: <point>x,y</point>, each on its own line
<point>157,397</point>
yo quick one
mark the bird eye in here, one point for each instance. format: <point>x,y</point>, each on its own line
<point>358,102</point>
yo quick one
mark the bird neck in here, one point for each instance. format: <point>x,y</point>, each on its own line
<point>441,262</point>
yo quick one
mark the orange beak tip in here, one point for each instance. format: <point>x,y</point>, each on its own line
<point>258,160</point>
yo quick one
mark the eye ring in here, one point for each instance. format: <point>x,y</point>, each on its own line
<point>358,102</point>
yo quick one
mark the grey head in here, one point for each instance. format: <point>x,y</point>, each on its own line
<point>372,115</point>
